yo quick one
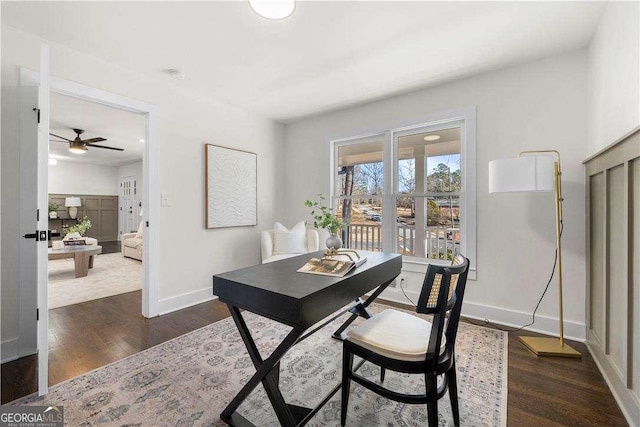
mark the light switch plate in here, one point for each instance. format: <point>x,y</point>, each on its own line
<point>165,199</point>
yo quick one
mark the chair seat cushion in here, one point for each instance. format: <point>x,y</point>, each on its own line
<point>395,335</point>
<point>133,242</point>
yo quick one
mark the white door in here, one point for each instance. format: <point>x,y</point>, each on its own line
<point>128,204</point>
<point>34,156</point>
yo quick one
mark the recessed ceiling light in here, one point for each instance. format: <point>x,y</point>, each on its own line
<point>53,162</point>
<point>432,137</point>
<point>273,9</point>
<point>176,74</point>
<point>141,140</point>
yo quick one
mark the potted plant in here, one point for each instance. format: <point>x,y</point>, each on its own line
<point>323,217</point>
<point>53,207</point>
<point>81,227</point>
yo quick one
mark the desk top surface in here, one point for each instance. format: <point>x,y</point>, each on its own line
<point>276,290</point>
<point>282,277</point>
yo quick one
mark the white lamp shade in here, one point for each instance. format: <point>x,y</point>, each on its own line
<point>72,202</point>
<point>526,173</point>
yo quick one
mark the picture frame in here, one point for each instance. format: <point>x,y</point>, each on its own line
<point>231,187</point>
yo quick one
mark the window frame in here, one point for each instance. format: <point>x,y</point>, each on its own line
<point>465,119</point>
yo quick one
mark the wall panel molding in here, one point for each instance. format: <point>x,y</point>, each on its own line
<point>613,273</point>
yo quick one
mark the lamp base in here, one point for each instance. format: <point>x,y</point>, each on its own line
<point>542,346</point>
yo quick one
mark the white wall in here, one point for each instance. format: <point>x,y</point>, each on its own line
<point>82,178</point>
<point>614,75</point>
<point>189,254</point>
<point>541,105</point>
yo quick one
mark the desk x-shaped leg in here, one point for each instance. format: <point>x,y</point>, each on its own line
<point>267,372</point>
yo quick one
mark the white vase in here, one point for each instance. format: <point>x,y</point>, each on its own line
<point>334,241</point>
<point>53,214</point>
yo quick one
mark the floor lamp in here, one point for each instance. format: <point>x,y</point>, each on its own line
<point>536,171</point>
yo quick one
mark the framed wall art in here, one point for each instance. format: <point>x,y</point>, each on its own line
<point>231,186</point>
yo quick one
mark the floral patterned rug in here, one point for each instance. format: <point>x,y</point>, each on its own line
<point>189,380</point>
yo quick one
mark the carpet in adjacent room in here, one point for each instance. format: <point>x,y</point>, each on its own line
<point>112,274</point>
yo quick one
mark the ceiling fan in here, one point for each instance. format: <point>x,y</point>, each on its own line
<point>80,145</point>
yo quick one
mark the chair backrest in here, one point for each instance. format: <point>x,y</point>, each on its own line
<point>460,286</point>
<point>442,294</point>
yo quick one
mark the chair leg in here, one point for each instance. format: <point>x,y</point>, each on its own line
<point>432,403</point>
<point>382,372</point>
<point>347,366</point>
<point>453,394</point>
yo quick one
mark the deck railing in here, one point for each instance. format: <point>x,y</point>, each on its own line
<point>439,242</point>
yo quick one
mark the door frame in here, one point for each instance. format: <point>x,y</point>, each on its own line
<point>150,171</point>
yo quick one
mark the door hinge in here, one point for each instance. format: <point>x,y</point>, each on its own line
<point>147,224</point>
<point>37,214</point>
<point>37,314</point>
<point>38,111</point>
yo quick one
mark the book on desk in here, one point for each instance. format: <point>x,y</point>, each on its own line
<point>334,263</point>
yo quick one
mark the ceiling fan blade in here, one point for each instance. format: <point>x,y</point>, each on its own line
<point>61,137</point>
<point>57,140</point>
<point>92,140</point>
<point>104,146</point>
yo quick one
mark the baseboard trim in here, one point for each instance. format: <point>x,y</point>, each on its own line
<point>627,402</point>
<point>9,350</point>
<point>178,302</point>
<point>502,316</point>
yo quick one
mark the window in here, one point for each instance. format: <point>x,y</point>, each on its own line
<point>360,188</point>
<point>409,190</point>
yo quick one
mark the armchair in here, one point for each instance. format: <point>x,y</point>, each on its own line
<point>131,244</point>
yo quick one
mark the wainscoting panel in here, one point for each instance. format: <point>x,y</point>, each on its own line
<point>596,270</point>
<point>616,280</point>
<point>613,276</point>
<point>635,275</point>
<point>101,210</point>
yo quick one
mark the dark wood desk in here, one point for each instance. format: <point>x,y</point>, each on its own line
<point>300,300</point>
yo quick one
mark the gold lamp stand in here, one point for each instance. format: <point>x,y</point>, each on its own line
<point>543,346</point>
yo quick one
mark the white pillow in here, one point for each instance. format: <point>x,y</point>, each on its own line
<point>289,241</point>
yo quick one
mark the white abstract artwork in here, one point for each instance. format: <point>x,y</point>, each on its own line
<point>231,187</point>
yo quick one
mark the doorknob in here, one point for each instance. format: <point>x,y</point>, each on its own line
<point>38,235</point>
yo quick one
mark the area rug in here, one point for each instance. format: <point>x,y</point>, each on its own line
<point>189,380</point>
<point>112,274</point>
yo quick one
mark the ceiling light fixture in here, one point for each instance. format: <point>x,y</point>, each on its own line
<point>175,74</point>
<point>77,147</point>
<point>141,140</point>
<point>273,9</point>
<point>432,137</point>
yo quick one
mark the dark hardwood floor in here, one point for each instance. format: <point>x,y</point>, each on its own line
<point>110,247</point>
<point>542,391</point>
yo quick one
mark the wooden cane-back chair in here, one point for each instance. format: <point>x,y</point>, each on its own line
<point>406,343</point>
